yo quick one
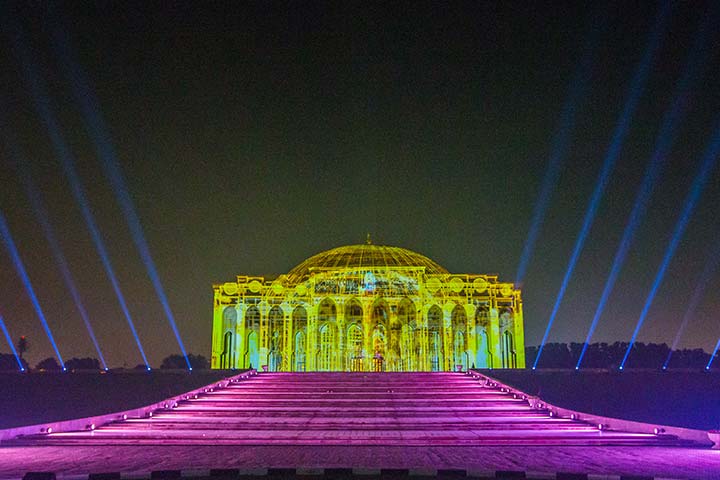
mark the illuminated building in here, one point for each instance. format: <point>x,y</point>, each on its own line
<point>367,308</point>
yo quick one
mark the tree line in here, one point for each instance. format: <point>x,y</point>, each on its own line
<point>610,356</point>
<point>8,362</point>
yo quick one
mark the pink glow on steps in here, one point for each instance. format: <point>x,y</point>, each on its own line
<point>399,409</point>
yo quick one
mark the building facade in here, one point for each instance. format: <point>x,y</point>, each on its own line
<point>367,308</point>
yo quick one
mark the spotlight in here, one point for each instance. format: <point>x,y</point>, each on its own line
<point>148,368</point>
<point>658,430</point>
<point>39,91</point>
<point>601,426</point>
<point>90,426</point>
<point>637,88</point>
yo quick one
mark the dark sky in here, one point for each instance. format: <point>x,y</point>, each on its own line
<point>253,135</point>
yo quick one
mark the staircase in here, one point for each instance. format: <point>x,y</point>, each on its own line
<point>351,409</point>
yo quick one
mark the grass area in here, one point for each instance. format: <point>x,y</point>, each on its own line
<point>683,398</point>
<point>38,397</point>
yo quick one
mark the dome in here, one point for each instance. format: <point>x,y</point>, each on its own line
<point>365,256</point>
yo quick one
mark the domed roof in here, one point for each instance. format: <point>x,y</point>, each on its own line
<point>365,256</point>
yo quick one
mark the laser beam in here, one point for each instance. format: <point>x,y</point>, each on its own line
<point>43,218</point>
<point>99,133</point>
<point>560,144</point>
<point>711,266</point>
<point>637,87</point>
<point>12,345</point>
<point>714,353</point>
<point>41,100</point>
<point>672,118</point>
<point>22,273</point>
<point>706,167</point>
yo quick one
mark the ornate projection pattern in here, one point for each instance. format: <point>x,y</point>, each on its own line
<point>368,308</point>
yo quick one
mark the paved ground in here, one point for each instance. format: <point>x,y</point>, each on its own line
<point>637,461</point>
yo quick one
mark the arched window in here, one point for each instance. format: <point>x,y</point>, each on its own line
<point>459,324</point>
<point>252,330</point>
<point>227,356</point>
<point>483,351</point>
<point>435,340</point>
<point>355,347</point>
<point>508,352</point>
<point>327,347</point>
<point>299,322</point>
<point>406,317</point>
<point>275,339</point>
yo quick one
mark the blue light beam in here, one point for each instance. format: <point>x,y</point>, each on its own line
<point>637,87</point>
<point>41,100</point>
<point>714,353</point>
<point>10,342</point>
<point>560,144</point>
<point>22,273</point>
<point>711,266</point>
<point>43,219</point>
<point>664,141</point>
<point>99,133</point>
<point>706,167</point>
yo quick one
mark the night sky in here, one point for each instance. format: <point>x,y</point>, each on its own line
<point>254,135</point>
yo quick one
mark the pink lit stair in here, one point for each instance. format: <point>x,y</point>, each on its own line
<point>352,409</point>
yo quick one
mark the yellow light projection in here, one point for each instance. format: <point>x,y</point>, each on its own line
<point>368,308</point>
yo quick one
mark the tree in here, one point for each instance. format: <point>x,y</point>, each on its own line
<point>175,361</point>
<point>22,346</point>
<point>8,362</point>
<point>49,364</point>
<point>82,364</point>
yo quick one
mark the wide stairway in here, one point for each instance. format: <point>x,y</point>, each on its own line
<point>352,409</point>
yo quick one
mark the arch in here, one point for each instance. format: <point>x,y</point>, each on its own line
<point>327,311</point>
<point>507,345</point>
<point>299,347</point>
<point>275,339</point>
<point>353,311</point>
<point>379,323</point>
<point>458,321</point>
<point>355,347</point>
<point>252,331</point>
<point>253,353</point>
<point>326,352</point>
<point>436,350</point>
<point>408,361</point>
<point>326,349</point>
<point>483,351</point>
<point>227,356</point>
<point>507,350</point>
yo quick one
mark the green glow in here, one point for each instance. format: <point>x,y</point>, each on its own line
<point>368,308</point>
